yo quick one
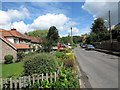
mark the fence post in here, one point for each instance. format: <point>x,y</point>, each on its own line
<point>6,83</point>
<point>11,86</point>
<point>33,79</point>
<point>15,82</point>
<point>51,77</point>
<point>24,81</point>
<point>55,76</point>
<point>42,77</point>
<point>20,83</point>
<point>38,79</point>
<point>1,83</point>
<point>47,77</point>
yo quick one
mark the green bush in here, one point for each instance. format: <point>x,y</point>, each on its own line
<point>40,63</point>
<point>60,55</point>
<point>20,56</point>
<point>8,59</point>
<point>118,38</point>
<point>66,50</point>
<point>66,79</point>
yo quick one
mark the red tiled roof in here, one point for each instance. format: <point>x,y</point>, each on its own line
<point>34,39</point>
<point>82,36</point>
<point>15,33</point>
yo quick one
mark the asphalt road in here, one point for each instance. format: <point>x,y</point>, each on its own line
<point>101,69</point>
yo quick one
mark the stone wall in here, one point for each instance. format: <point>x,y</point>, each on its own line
<point>6,49</point>
<point>107,46</point>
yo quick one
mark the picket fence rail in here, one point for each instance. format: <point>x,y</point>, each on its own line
<point>22,81</point>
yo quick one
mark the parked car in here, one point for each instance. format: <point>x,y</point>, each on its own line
<point>83,46</point>
<point>90,47</point>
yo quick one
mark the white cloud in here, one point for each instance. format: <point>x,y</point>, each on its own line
<point>45,21</point>
<point>21,26</point>
<point>7,16</point>
<point>61,21</point>
<point>100,9</point>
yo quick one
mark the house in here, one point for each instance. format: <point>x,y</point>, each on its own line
<point>83,36</point>
<point>12,41</point>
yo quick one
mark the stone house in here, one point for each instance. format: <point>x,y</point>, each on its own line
<point>12,41</point>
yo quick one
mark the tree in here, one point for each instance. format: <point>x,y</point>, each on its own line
<point>98,26</point>
<point>38,33</point>
<point>53,34</point>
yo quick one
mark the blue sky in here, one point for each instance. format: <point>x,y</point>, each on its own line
<point>29,16</point>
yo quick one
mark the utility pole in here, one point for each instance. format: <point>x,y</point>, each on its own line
<point>71,38</point>
<point>110,30</point>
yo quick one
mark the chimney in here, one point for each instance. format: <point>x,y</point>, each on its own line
<point>26,33</point>
<point>13,29</point>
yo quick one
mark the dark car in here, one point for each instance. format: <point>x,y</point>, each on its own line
<point>90,47</point>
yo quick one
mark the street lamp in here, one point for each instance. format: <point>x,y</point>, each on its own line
<point>71,38</point>
<point>110,30</point>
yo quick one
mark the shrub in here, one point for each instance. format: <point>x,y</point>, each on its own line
<point>70,60</point>
<point>66,50</point>
<point>8,59</point>
<point>40,63</point>
<point>20,56</point>
<point>68,63</point>
<point>60,55</point>
<point>118,38</point>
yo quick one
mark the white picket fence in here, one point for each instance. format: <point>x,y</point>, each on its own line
<point>22,81</point>
<point>31,79</point>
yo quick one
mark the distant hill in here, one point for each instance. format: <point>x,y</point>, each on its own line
<point>38,33</point>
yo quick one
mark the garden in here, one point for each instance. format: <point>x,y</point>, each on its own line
<point>34,64</point>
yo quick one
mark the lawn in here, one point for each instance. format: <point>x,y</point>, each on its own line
<point>14,69</point>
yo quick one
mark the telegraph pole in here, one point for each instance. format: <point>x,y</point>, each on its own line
<point>110,30</point>
<point>71,38</point>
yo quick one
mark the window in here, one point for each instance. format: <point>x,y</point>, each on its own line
<point>15,41</point>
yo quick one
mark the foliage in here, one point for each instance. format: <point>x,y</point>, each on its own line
<point>118,38</point>
<point>34,48</point>
<point>74,46</point>
<point>38,33</point>
<point>98,26</point>
<point>40,63</point>
<point>67,79</point>
<point>70,60</point>
<point>76,39</point>
<point>53,34</point>
<point>60,55</point>
<point>68,63</point>
<point>66,50</point>
<point>65,40</point>
<point>20,56</point>
<point>116,32</point>
<point>12,70</point>
<point>46,45</point>
<point>8,59</point>
<point>98,32</point>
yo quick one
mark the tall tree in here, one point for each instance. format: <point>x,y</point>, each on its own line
<point>98,26</point>
<point>53,34</point>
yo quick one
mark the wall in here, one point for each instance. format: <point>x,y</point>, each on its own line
<point>6,49</point>
<point>107,46</point>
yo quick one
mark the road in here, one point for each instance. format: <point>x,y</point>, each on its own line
<point>101,68</point>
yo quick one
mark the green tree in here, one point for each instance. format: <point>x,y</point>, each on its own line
<point>53,34</point>
<point>98,26</point>
<point>38,33</point>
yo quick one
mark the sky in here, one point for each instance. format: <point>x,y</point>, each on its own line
<point>30,16</point>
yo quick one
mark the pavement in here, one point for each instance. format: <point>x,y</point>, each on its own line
<point>100,68</point>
